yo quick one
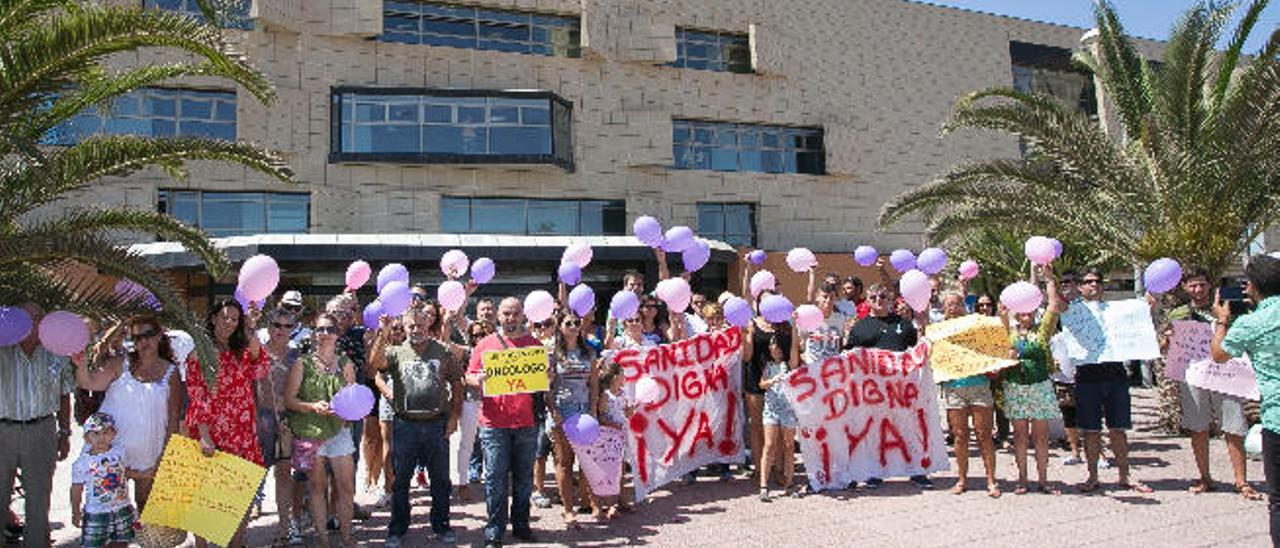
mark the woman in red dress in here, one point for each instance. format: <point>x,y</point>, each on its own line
<point>224,418</point>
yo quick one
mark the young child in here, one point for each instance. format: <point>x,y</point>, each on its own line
<point>107,517</point>
<point>779,419</point>
<point>615,413</point>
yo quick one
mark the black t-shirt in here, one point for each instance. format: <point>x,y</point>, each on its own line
<point>892,332</point>
<point>753,369</point>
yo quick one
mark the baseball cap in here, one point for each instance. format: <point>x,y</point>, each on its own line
<point>292,298</point>
<point>99,422</point>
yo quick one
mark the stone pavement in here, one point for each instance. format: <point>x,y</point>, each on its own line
<point>714,513</point>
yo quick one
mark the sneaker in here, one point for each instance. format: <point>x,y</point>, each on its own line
<point>1104,463</point>
<point>853,486</point>
<point>1072,460</point>
<point>492,544</point>
<point>873,483</point>
<point>725,475</point>
<point>384,501</point>
<point>449,537</point>
<point>394,542</point>
<point>922,481</point>
<point>540,500</point>
<point>690,478</point>
<point>295,534</point>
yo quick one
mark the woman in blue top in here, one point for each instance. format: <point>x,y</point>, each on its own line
<point>969,397</point>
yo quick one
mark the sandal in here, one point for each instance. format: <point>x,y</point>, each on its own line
<point>1089,487</point>
<point>570,521</point>
<point>993,491</point>
<point>1021,490</point>
<point>1137,487</point>
<point>1201,486</point>
<point>1248,492</point>
<point>1044,489</point>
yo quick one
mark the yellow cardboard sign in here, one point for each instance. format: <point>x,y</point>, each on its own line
<point>515,371</point>
<point>205,495</point>
<point>968,345</point>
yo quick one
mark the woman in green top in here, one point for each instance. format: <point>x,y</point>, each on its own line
<point>312,382</point>
<point>1030,399</point>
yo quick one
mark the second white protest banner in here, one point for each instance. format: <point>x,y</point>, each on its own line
<point>1117,331</point>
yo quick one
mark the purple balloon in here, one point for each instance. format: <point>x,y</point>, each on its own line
<point>240,298</point>
<point>902,260</point>
<point>677,239</point>
<point>648,231</point>
<point>737,311</point>
<point>372,313</point>
<point>866,255</point>
<point>482,270</point>
<point>696,256</point>
<point>15,325</point>
<point>581,429</point>
<point>931,261</point>
<point>776,308</point>
<point>582,299</point>
<point>1162,275</point>
<point>569,273</point>
<point>624,305</point>
<point>394,272</point>
<point>353,402</point>
<point>756,257</point>
<point>396,298</point>
<point>130,291</point>
<point>1057,247</point>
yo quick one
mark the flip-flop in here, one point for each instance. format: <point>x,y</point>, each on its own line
<point>1089,487</point>
<point>1137,487</point>
<point>1045,489</point>
<point>1021,490</point>
<point>1248,492</point>
<point>993,492</point>
<point>1200,487</point>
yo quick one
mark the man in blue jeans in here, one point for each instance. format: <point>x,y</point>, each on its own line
<point>427,399</point>
<point>508,437</point>
<point>1102,389</point>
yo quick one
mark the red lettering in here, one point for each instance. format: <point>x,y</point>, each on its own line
<point>669,354</point>
<point>629,361</point>
<point>821,435</point>
<point>704,349</point>
<point>799,379</point>
<point>859,362</point>
<point>891,438</point>
<point>924,437</point>
<point>675,437</point>
<point>715,378</point>
<point>652,361</point>
<point>642,459</point>
<point>837,402</point>
<point>871,392</point>
<point>856,439</point>
<point>731,414</point>
<point>833,368</point>
<point>702,433</point>
<point>691,385</point>
<point>900,393</point>
<point>885,364</point>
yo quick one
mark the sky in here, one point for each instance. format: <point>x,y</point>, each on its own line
<point>1145,18</point>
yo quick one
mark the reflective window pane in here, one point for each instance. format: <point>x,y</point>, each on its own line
<point>152,112</point>
<point>732,223</point>
<point>715,51</point>
<point>724,146</point>
<point>532,216</point>
<point>239,213</point>
<point>436,24</point>
<point>236,16</point>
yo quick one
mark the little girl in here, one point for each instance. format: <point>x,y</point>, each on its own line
<point>615,413</point>
<point>779,418</point>
<point>106,518</point>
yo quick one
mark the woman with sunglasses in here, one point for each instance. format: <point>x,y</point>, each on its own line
<point>143,395</point>
<point>985,305</point>
<point>655,324</point>
<point>469,422</point>
<point>755,358</point>
<point>224,417</point>
<point>313,381</point>
<point>274,436</point>
<point>573,389</point>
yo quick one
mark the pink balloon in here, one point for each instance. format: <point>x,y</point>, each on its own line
<point>452,295</point>
<point>579,254</point>
<point>454,263</point>
<point>675,292</point>
<point>648,391</point>
<point>915,289</point>
<point>1021,297</point>
<point>358,274</point>
<point>539,305</point>
<point>1040,250</point>
<point>258,277</point>
<point>64,333</point>
<point>762,281</point>
<point>801,259</point>
<point>968,270</point>
<point>808,317</point>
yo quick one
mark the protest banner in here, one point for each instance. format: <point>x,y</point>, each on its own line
<point>205,495</point>
<point>867,413</point>
<point>601,462</point>
<point>515,371</point>
<point>697,419</point>
<point>1118,331</point>
<point>1189,361</point>
<point>966,346</point>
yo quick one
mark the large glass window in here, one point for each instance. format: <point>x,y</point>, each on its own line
<point>437,24</point>
<point>725,146</point>
<point>154,112</point>
<point>239,213</point>
<point>237,14</point>
<point>460,215</point>
<point>708,50</point>
<point>1051,71</point>
<point>452,127</point>
<point>731,223</point>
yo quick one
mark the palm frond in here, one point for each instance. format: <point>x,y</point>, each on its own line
<point>126,219</point>
<point>1231,57</point>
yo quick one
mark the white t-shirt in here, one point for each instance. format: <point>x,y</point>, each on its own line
<point>103,475</point>
<point>825,341</point>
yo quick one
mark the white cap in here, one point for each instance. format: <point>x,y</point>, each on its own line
<point>182,345</point>
<point>292,298</point>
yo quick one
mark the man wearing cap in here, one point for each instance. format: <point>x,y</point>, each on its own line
<point>291,303</point>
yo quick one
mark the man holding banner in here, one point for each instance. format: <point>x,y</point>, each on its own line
<point>508,436</point>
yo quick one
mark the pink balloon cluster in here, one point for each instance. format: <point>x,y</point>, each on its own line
<point>968,270</point>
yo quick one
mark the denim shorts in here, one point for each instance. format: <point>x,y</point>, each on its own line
<point>1103,398</point>
<point>340,445</point>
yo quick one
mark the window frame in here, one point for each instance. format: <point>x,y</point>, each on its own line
<point>789,155</point>
<point>722,37</point>
<point>486,17</point>
<point>239,20</point>
<point>753,219</point>
<point>139,95</point>
<point>164,204</point>
<point>619,206</point>
<point>560,112</point>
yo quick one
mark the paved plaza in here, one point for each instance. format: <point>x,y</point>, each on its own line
<point>714,513</point>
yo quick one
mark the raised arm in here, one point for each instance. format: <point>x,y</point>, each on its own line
<point>813,284</point>
<point>746,278</point>
<point>664,272</point>
<point>378,350</point>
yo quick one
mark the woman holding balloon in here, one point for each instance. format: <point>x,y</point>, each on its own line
<point>322,440</point>
<point>572,397</point>
<point>1029,394</point>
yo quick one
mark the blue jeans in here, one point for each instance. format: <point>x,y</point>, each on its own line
<point>508,461</point>
<point>413,444</point>
<point>477,460</point>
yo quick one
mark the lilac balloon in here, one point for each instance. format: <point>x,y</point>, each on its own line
<point>64,333</point>
<point>582,299</point>
<point>757,257</point>
<point>776,308</point>
<point>130,291</point>
<point>482,270</point>
<point>1039,250</point>
<point>240,298</point>
<point>648,231</point>
<point>1057,247</point>
<point>396,298</point>
<point>353,402</point>
<point>569,273</point>
<point>258,277</point>
<point>15,325</point>
<point>1162,275</point>
<point>581,429</point>
<point>762,281</point>
<point>1021,297</point>
<point>358,274</point>
<point>452,295</point>
<point>931,261</point>
<point>696,256</point>
<point>915,289</point>
<point>394,272</point>
<point>372,313</point>
<point>678,239</point>
<point>902,260</point>
<point>866,255</point>
<point>737,311</point>
<point>624,305</point>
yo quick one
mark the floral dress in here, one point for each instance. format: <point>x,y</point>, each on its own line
<point>230,411</point>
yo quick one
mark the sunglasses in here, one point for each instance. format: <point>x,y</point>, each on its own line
<point>985,305</point>
<point>544,324</point>
<point>278,325</point>
<point>632,320</point>
<point>419,297</point>
<point>571,323</point>
<point>326,330</point>
<point>144,335</point>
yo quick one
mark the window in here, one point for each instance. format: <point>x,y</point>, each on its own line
<point>460,215</point>
<point>724,146</point>
<point>237,13</point>
<point>709,50</point>
<point>239,213</point>
<point>436,24</point>
<point>1051,71</point>
<point>451,126</point>
<point>731,223</point>
<point>154,112</point>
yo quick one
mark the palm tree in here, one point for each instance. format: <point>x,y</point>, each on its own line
<point>52,68</point>
<point>1193,176</point>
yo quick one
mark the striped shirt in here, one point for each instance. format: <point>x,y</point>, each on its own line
<point>31,387</point>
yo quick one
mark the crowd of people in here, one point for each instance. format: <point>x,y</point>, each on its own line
<point>278,370</point>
